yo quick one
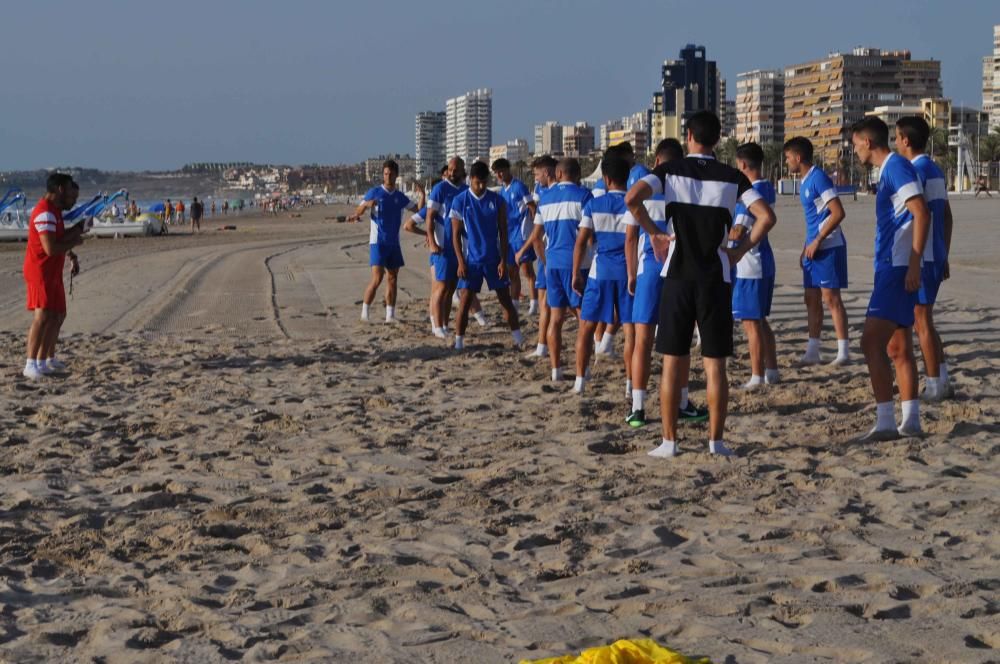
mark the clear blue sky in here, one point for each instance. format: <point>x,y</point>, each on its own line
<point>142,85</point>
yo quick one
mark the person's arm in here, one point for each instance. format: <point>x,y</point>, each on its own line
<point>949,224</point>
<point>583,236</point>
<point>456,242</point>
<point>356,217</point>
<point>411,227</point>
<point>921,227</point>
<point>635,199</point>
<point>533,240</point>
<point>764,222</point>
<point>632,256</point>
<point>419,188</point>
<point>831,223</point>
<point>504,240</point>
<point>71,238</point>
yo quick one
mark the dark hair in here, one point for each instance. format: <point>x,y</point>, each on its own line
<point>874,129</point>
<point>545,161</point>
<point>444,169</point>
<point>74,186</point>
<point>624,148</point>
<point>570,167</point>
<point>752,154</point>
<point>58,181</point>
<point>916,130</point>
<point>705,128</point>
<point>801,146</point>
<point>480,171</point>
<point>391,165</point>
<point>615,168</point>
<point>669,149</point>
<point>500,164</point>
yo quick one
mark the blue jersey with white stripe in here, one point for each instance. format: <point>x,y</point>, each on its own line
<point>443,193</point>
<point>479,216</point>
<point>419,216</point>
<point>606,217</point>
<point>815,194</point>
<point>599,188</point>
<point>757,263</point>
<point>936,194</point>
<point>516,196</point>
<point>656,208</point>
<point>560,209</point>
<point>387,215</point>
<point>897,183</point>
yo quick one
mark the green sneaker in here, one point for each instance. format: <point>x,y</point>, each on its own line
<point>691,413</point>
<point>636,419</point>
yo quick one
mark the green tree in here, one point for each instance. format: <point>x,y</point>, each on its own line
<point>726,151</point>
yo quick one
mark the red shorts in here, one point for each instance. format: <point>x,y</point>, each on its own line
<point>48,294</point>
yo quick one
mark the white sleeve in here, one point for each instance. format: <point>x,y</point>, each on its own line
<point>749,197</point>
<point>655,183</point>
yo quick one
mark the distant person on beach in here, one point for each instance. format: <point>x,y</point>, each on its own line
<point>225,207</point>
<point>912,134</point>
<point>753,289</point>
<point>168,212</point>
<point>49,243</point>
<point>560,210</point>
<point>387,205</point>
<point>701,196</point>
<point>902,226</point>
<point>544,171</point>
<point>982,187</point>
<point>439,242</point>
<point>479,237</point>
<point>180,212</point>
<point>824,256</point>
<point>197,210</point>
<point>517,198</point>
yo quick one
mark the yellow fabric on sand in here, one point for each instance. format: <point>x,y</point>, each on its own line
<point>626,651</point>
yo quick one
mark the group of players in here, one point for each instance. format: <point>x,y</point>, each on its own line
<point>681,250</point>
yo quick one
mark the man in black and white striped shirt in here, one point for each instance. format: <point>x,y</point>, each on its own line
<point>701,195</point>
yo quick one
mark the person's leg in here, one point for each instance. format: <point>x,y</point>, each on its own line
<point>515,281</point>
<point>52,336</point>
<point>717,384</point>
<point>755,343</point>
<point>770,352</point>
<point>629,352</point>
<point>510,313</point>
<point>36,333</point>
<point>900,351</point>
<point>930,342</point>
<point>544,318</point>
<point>462,315</point>
<point>449,293</point>
<point>670,394</point>
<point>814,321</point>
<point>528,274</point>
<point>392,280</point>
<point>378,272</point>
<point>557,316</point>
<point>874,341</point>
<point>584,349</point>
<point>838,313</point>
<point>439,293</point>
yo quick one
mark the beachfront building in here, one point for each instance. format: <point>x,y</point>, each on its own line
<point>639,138</point>
<point>578,140</point>
<point>548,138</point>
<point>469,125</point>
<point>760,106</point>
<point>991,81</point>
<point>373,167</point>
<point>430,143</point>
<point>513,151</point>
<point>696,77</point>
<point>637,122</point>
<point>823,98</point>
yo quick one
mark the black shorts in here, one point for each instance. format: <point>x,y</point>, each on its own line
<point>684,303</point>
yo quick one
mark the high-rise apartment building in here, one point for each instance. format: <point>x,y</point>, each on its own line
<point>696,76</point>
<point>469,125</point>
<point>578,139</point>
<point>991,81</point>
<point>823,98</point>
<point>549,138</point>
<point>513,151</point>
<point>760,107</point>
<point>430,150</point>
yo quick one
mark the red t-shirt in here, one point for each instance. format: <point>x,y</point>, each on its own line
<point>39,266</point>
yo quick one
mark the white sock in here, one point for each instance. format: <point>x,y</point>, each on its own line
<point>533,307</point>
<point>541,350</point>
<point>943,376</point>
<point>518,337</point>
<point>459,342</point>
<point>812,346</point>
<point>638,399</point>
<point>667,448</point>
<point>557,374</point>
<point>911,411</point>
<point>771,376</point>
<point>719,447</point>
<point>578,384</point>
<point>885,416</point>
<point>843,349</point>
<point>30,363</point>
<point>628,387</point>
<point>607,342</point>
<point>754,381</point>
<point>684,397</point>
<point>390,312</point>
<point>480,318</point>
<point>364,311</point>
<point>440,332</point>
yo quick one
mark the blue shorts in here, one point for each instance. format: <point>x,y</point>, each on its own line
<point>560,288</point>
<point>391,258</point>
<point>752,298</point>
<point>827,269</point>
<point>475,273</point>
<point>540,282</point>
<point>515,244</point>
<point>931,276</point>
<point>602,297</point>
<point>890,300</point>
<point>646,304</point>
<point>445,266</point>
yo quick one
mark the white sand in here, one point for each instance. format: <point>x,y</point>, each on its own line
<point>238,468</point>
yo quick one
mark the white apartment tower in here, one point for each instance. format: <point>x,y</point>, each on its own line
<point>760,107</point>
<point>469,127</point>
<point>430,143</point>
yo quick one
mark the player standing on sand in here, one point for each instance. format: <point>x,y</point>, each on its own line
<point>385,255</point>
<point>516,195</point>
<point>49,243</point>
<point>544,170</point>
<point>902,226</point>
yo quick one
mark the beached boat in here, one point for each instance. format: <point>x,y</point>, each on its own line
<point>144,224</point>
<point>13,216</point>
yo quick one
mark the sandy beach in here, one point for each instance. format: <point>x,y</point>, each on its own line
<point>238,469</point>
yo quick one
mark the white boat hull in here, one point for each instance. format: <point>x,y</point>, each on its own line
<point>13,234</point>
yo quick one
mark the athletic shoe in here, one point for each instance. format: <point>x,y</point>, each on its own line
<point>56,364</point>
<point>391,319</point>
<point>32,373</point>
<point>910,429</point>
<point>691,413</point>
<point>877,435</point>
<point>636,419</point>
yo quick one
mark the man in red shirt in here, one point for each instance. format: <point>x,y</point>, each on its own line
<point>48,244</point>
